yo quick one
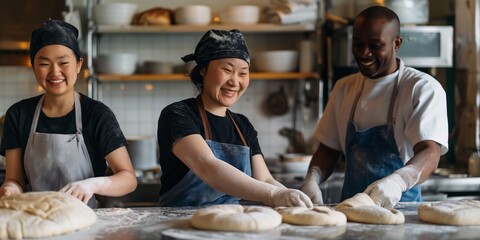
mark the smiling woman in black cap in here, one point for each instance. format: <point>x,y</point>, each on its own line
<point>59,141</point>
<point>208,154</point>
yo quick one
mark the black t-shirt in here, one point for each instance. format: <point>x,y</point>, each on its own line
<point>101,131</point>
<point>181,119</point>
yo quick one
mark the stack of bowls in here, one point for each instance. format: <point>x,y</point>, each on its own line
<point>142,151</point>
<point>295,162</point>
<point>275,61</point>
<point>116,63</point>
<point>157,67</point>
<point>117,14</point>
<point>193,15</point>
<point>240,14</point>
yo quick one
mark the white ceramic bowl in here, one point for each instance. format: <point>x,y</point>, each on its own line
<point>116,63</point>
<point>193,15</point>
<point>142,151</point>
<point>117,14</point>
<point>240,14</point>
<point>295,167</point>
<point>275,61</point>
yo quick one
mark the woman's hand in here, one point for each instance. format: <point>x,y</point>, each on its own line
<point>10,188</point>
<point>85,189</point>
<point>285,197</point>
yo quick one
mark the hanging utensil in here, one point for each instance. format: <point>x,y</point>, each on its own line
<point>277,103</point>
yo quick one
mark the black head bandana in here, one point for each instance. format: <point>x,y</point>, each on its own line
<point>217,44</point>
<point>54,32</point>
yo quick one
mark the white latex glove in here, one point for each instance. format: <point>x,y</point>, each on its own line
<point>387,191</point>
<point>10,188</point>
<point>285,197</point>
<point>85,189</point>
<point>310,186</point>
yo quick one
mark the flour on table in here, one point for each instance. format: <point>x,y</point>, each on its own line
<point>42,214</point>
<point>461,212</point>
<point>316,216</point>
<point>361,208</point>
<point>231,217</point>
<point>113,211</point>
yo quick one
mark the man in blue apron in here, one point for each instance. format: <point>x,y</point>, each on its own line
<point>208,154</point>
<point>389,121</point>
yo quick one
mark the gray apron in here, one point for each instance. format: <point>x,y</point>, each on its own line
<point>372,154</point>
<point>191,190</point>
<point>55,160</point>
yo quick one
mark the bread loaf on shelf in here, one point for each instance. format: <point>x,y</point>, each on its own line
<point>154,16</point>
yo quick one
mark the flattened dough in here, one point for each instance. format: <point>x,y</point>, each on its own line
<point>461,212</point>
<point>42,214</point>
<point>238,218</point>
<point>316,216</point>
<point>361,208</point>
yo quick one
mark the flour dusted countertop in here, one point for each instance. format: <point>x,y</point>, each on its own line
<point>174,223</point>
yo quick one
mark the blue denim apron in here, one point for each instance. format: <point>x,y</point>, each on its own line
<point>372,154</point>
<point>191,190</point>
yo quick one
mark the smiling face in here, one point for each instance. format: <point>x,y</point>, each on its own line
<point>56,69</point>
<point>225,80</point>
<point>375,45</point>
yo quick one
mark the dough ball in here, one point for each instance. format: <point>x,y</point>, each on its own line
<point>42,214</point>
<point>461,212</point>
<point>361,208</point>
<point>231,217</point>
<point>316,216</point>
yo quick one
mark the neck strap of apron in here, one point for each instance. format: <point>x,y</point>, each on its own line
<point>390,116</point>
<point>206,126</point>
<point>78,114</point>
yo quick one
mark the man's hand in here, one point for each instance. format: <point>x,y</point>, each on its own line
<point>310,186</point>
<point>387,191</point>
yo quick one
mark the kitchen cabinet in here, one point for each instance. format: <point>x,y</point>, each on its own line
<point>271,32</point>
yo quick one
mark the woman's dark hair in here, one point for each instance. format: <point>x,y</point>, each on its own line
<point>196,77</point>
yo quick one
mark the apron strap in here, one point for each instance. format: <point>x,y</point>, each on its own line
<point>206,126</point>
<point>390,117</point>
<point>393,100</point>
<point>203,116</point>
<point>78,114</point>
<point>238,129</point>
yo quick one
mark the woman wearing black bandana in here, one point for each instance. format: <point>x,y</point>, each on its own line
<point>61,140</point>
<point>208,154</point>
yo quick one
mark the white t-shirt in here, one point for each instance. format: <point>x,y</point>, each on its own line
<point>420,110</point>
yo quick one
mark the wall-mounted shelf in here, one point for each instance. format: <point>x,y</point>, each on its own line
<point>250,28</point>
<point>182,77</point>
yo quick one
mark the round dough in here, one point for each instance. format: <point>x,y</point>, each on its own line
<point>461,212</point>
<point>231,217</point>
<point>42,214</point>
<point>361,208</point>
<point>316,216</point>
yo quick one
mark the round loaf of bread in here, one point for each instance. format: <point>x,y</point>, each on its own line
<point>316,216</point>
<point>361,208</point>
<point>231,217</point>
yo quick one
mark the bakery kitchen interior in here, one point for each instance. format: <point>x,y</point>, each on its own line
<point>133,65</point>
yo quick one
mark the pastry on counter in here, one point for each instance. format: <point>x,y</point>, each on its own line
<point>461,212</point>
<point>237,218</point>
<point>361,208</point>
<point>155,16</point>
<point>316,216</point>
<point>43,214</point>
